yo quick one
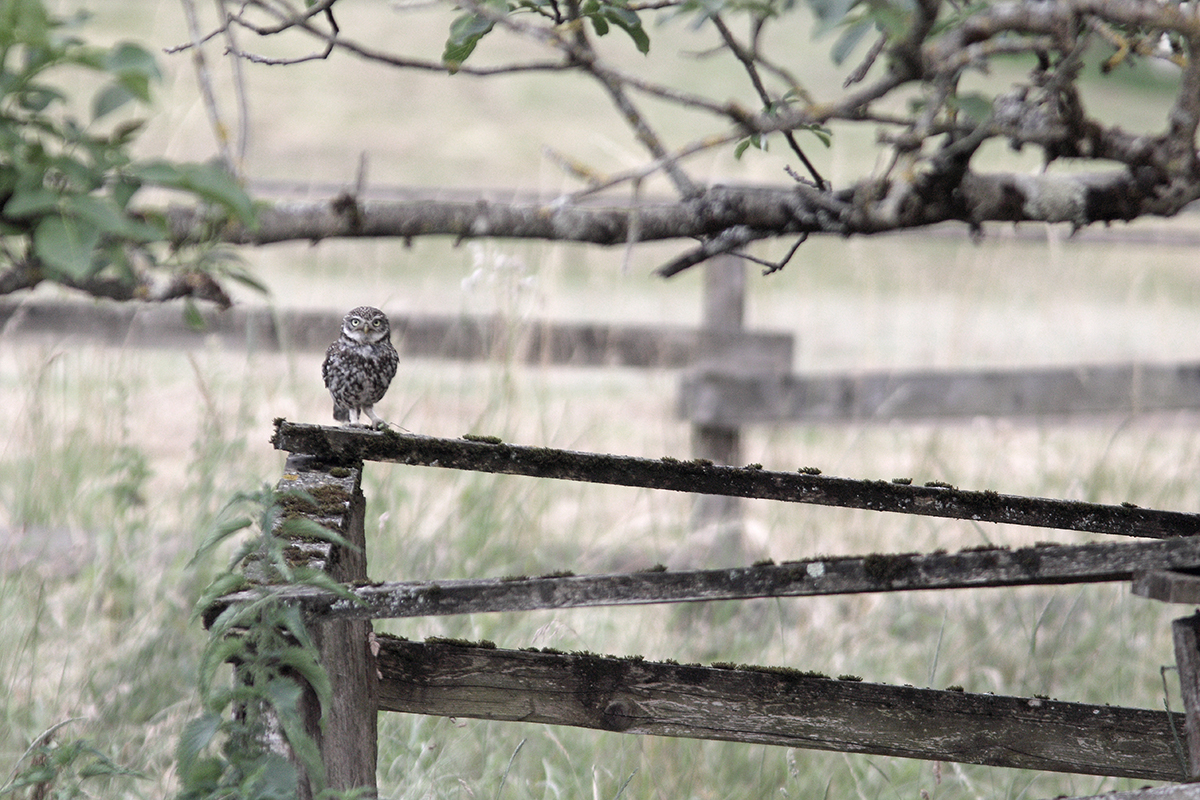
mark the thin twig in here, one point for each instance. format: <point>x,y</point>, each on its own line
<point>220,130</point>
<point>772,267</point>
<point>749,60</point>
<point>239,88</point>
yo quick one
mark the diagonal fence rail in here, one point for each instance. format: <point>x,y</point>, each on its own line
<point>489,454</point>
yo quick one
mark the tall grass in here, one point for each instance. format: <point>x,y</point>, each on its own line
<point>114,462</point>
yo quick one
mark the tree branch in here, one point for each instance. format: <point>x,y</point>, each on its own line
<point>1078,199</point>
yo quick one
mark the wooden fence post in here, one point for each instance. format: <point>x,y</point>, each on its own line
<point>1186,636</point>
<point>722,317</point>
<point>348,739</point>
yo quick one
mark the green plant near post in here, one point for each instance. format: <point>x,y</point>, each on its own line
<point>49,769</point>
<point>67,186</point>
<point>226,751</point>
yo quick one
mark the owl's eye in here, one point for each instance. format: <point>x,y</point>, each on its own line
<point>377,323</point>
<point>354,323</point>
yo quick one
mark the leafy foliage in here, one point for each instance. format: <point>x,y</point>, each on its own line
<point>66,185</point>
<point>60,770</point>
<point>226,751</point>
<point>468,29</point>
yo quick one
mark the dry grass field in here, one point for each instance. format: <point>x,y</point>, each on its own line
<point>115,462</point>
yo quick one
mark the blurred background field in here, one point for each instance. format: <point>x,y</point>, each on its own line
<point>115,461</point>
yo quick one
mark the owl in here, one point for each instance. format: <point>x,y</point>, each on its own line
<point>360,365</point>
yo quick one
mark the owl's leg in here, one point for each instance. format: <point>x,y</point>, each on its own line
<point>352,416</point>
<point>376,420</point>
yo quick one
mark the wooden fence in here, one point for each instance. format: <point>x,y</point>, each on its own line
<point>743,703</point>
<point>731,377</point>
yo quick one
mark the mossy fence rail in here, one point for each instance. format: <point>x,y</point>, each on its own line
<point>780,705</point>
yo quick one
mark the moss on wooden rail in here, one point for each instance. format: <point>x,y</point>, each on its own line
<point>353,445</point>
<point>774,705</point>
<point>973,568</point>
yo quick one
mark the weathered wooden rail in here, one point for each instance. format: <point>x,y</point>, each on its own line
<point>968,569</point>
<point>775,706</point>
<point>488,454</point>
<point>780,705</point>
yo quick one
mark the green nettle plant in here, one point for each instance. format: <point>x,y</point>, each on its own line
<point>226,751</point>
<point>67,185</point>
<point>49,769</point>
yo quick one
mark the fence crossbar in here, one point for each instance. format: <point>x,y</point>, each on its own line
<point>487,454</point>
<point>973,568</point>
<point>777,706</point>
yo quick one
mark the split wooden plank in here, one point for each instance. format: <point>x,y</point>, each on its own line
<point>1167,586</point>
<point>483,454</point>
<point>975,568</point>
<point>774,706</point>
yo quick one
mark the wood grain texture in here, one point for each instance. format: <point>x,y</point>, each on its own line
<point>780,707</point>
<point>1185,635</point>
<point>346,731</point>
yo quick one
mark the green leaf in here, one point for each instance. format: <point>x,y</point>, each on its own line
<point>123,190</point>
<point>756,140</point>
<point>25,21</point>
<point>109,99</point>
<point>128,58</point>
<point>192,316</point>
<point>627,20</point>
<point>123,134</point>
<point>829,14</point>
<point>38,98</point>
<point>222,532</point>
<point>31,203</point>
<point>890,18</point>
<point>208,181</point>
<point>133,68</point>
<point>849,40</point>
<point>276,779</point>
<point>465,32</point>
<point>66,245</point>
<point>196,736</point>
<point>107,217</point>
<point>307,528</point>
<point>821,132</point>
<point>241,275</point>
<point>283,695</point>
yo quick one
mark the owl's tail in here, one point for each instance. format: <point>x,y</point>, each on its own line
<point>341,413</point>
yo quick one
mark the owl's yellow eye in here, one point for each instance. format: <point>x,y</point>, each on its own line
<point>354,323</point>
<point>377,324</point>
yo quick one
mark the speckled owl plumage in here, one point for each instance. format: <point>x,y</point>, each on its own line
<point>360,365</point>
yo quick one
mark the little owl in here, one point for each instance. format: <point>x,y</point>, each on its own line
<point>359,365</point>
